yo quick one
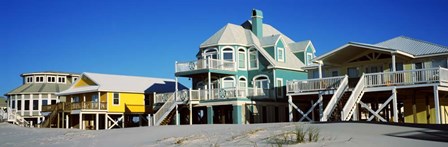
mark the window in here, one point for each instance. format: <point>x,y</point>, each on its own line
<point>74,79</point>
<point>44,102</point>
<point>116,98</point>
<point>241,59</point>
<point>281,54</point>
<point>39,79</point>
<point>228,82</point>
<point>27,105</point>
<point>19,104</point>
<point>75,99</point>
<point>334,73</point>
<point>227,54</point>
<point>440,62</point>
<point>242,83</point>
<point>94,98</point>
<point>211,53</point>
<point>253,59</point>
<point>61,79</point>
<point>419,65</point>
<point>51,79</point>
<point>35,104</point>
<point>261,82</point>
<point>398,66</point>
<point>279,87</point>
<point>352,72</point>
<point>29,79</point>
<point>309,58</point>
<point>315,74</point>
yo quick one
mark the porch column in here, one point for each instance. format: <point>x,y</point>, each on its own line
<point>394,103</point>
<point>177,115</point>
<point>191,111</point>
<point>320,68</point>
<point>290,108</point>
<point>97,120</point>
<point>176,89</point>
<point>67,125</point>
<point>49,99</point>
<point>15,103</point>
<point>99,100</point>
<point>31,105</point>
<point>437,104</point>
<point>209,114</point>
<point>321,107</point>
<point>80,121</point>
<point>237,114</point>
<point>209,85</point>
<point>393,63</point>
<point>39,104</point>
<point>22,104</point>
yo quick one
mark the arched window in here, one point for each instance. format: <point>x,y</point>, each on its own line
<point>253,59</point>
<point>211,53</point>
<point>242,83</point>
<point>228,82</point>
<point>261,82</point>
<point>227,54</point>
<point>242,59</point>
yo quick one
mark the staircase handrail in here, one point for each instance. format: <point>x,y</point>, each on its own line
<point>335,98</point>
<point>353,99</point>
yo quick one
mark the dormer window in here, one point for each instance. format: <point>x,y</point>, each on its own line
<point>281,54</point>
<point>29,79</point>
<point>309,58</point>
<point>61,79</point>
<point>51,79</point>
<point>74,79</point>
<point>39,79</point>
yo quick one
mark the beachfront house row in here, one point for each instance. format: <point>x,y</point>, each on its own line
<point>397,80</point>
<point>38,89</point>
<point>105,101</point>
<point>238,76</point>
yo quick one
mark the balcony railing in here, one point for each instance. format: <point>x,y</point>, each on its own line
<point>205,64</point>
<point>216,94</point>
<point>407,77</point>
<point>88,106</point>
<point>299,86</point>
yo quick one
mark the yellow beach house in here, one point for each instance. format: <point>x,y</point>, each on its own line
<point>105,101</point>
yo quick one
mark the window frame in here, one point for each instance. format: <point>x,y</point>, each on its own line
<point>39,81</point>
<point>228,50</point>
<point>118,98</point>
<point>53,79</point>
<point>282,51</point>
<point>255,52</point>
<point>242,53</point>
<point>224,81</point>
<point>309,58</point>
<point>29,79</point>
<point>64,79</point>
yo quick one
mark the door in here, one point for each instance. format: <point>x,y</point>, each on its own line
<point>419,74</point>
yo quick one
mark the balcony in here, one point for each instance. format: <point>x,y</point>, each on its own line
<point>216,94</point>
<point>411,78</point>
<point>407,78</point>
<point>313,85</point>
<point>75,106</point>
<point>205,65</point>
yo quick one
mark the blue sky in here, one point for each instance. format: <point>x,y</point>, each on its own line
<point>145,38</point>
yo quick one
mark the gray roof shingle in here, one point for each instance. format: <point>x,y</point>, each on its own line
<point>413,46</point>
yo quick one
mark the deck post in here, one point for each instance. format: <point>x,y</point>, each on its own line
<point>320,69</point>
<point>321,106</point>
<point>31,105</point>
<point>80,121</point>
<point>191,113</point>
<point>22,105</point>
<point>58,119</point>
<point>290,108</point>
<point>97,120</point>
<point>394,103</point>
<point>394,68</point>
<point>312,111</point>
<point>209,114</point>
<point>67,121</point>
<point>437,104</point>
<point>177,115</point>
<point>209,85</point>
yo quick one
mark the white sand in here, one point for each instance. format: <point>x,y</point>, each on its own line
<point>334,134</point>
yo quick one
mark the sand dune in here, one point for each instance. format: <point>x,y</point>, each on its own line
<point>330,134</point>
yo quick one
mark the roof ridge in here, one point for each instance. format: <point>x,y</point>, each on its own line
<point>165,79</point>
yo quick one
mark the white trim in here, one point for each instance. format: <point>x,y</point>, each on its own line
<point>245,58</point>
<point>282,50</point>
<point>256,58</point>
<point>242,77</point>
<point>36,77</point>
<point>212,51</point>
<point>223,81</point>
<point>258,76</point>
<point>61,77</point>
<point>232,51</point>
<point>113,98</point>
<point>29,79</point>
<point>53,79</point>
<point>306,58</point>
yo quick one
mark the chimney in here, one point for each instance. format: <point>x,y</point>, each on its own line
<point>257,23</point>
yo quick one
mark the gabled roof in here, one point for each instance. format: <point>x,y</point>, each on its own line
<point>413,46</point>
<point>122,83</point>
<point>299,46</point>
<point>269,40</point>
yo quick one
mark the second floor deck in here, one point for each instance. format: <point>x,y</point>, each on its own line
<point>203,66</point>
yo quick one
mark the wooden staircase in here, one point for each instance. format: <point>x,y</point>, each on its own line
<point>168,118</point>
<point>49,119</point>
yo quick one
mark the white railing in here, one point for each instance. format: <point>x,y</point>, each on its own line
<point>216,94</point>
<point>164,110</point>
<point>354,98</point>
<point>205,64</point>
<point>343,86</point>
<point>3,115</point>
<point>298,86</point>
<point>17,118</point>
<point>407,77</point>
